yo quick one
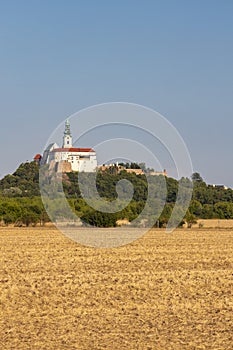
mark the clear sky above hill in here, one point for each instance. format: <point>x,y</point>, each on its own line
<point>176,57</point>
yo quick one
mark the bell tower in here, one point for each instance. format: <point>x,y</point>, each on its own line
<point>67,138</point>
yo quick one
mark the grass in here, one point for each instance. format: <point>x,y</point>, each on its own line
<point>164,291</point>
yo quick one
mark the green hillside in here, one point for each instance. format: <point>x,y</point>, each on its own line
<point>20,201</point>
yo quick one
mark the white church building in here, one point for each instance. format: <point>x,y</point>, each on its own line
<point>71,158</point>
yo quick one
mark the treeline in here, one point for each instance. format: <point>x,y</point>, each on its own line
<point>23,211</point>
<point>20,201</point>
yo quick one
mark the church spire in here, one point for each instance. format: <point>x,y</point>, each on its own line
<point>67,138</point>
<point>67,128</point>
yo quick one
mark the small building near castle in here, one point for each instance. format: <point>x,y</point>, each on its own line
<point>68,158</point>
<point>37,158</point>
<point>119,168</point>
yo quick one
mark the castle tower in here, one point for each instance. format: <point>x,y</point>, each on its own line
<point>67,138</point>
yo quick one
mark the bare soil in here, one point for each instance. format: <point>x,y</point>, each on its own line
<point>164,291</point>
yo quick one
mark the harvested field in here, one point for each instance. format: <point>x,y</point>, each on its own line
<point>214,223</point>
<point>164,291</point>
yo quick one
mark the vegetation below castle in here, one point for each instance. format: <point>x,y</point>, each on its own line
<point>21,204</point>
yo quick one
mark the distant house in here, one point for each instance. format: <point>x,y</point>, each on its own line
<point>157,173</point>
<point>135,171</point>
<point>221,187</point>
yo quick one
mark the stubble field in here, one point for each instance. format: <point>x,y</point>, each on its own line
<point>164,291</point>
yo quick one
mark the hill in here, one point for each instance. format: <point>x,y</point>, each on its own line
<point>23,182</point>
<point>20,200</point>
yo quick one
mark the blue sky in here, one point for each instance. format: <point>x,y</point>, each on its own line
<point>176,57</point>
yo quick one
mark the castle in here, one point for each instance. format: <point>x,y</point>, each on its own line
<point>68,158</point>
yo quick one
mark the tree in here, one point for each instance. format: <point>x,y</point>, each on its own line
<point>10,211</point>
<point>29,217</point>
<point>172,189</point>
<point>196,177</point>
<point>190,219</point>
<point>165,215</point>
<point>195,208</point>
<point>224,210</point>
<point>207,211</point>
<point>99,219</point>
<point>8,219</point>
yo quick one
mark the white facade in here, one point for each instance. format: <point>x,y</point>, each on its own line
<point>81,159</point>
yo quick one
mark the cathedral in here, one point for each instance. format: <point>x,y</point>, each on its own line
<point>68,158</point>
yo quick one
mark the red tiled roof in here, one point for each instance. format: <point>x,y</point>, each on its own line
<point>37,156</point>
<point>72,149</point>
